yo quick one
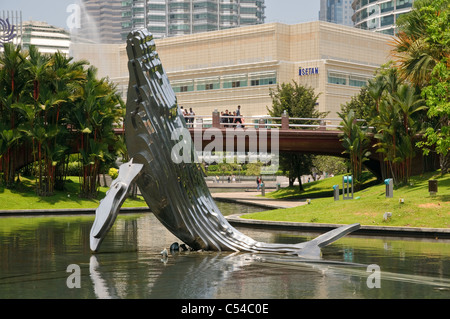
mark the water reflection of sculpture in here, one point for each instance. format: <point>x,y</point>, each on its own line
<point>174,190</point>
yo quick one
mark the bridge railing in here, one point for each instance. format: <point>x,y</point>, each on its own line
<point>284,122</point>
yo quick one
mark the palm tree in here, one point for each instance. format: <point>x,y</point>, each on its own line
<point>96,112</point>
<point>375,88</point>
<point>409,104</point>
<point>12,83</point>
<point>422,51</point>
<point>356,143</point>
<point>416,48</point>
<point>37,65</point>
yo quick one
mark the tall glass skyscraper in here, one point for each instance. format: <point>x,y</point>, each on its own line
<point>336,11</point>
<point>379,15</point>
<point>166,18</point>
<point>101,22</point>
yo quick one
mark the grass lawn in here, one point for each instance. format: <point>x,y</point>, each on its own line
<point>320,188</point>
<point>24,197</point>
<point>418,210</point>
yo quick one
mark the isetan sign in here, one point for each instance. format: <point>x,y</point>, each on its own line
<point>308,71</point>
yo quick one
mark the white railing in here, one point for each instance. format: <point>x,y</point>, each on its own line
<point>200,121</point>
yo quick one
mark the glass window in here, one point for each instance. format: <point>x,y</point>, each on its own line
<point>387,20</point>
<point>157,29</point>
<point>208,84</point>
<point>248,10</point>
<point>401,4</point>
<point>183,86</point>
<point>156,18</point>
<point>388,31</point>
<point>156,6</point>
<point>337,78</point>
<point>387,6</point>
<point>263,78</point>
<point>357,81</point>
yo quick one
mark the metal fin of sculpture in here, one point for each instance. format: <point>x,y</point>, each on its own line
<point>109,207</point>
<point>176,191</point>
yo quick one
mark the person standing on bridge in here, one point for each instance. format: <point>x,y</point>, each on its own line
<point>191,114</point>
<point>238,118</point>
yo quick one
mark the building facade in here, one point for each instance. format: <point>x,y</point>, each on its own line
<point>220,70</point>
<point>100,22</point>
<point>47,38</point>
<point>336,11</point>
<point>379,15</point>
<point>167,18</point>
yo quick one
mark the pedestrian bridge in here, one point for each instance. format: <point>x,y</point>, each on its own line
<point>275,134</point>
<point>289,134</point>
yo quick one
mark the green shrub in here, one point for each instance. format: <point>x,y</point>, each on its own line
<point>113,172</point>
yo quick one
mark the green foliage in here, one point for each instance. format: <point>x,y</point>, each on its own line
<point>330,164</point>
<point>362,104</point>
<point>423,52</point>
<point>395,113</point>
<point>113,172</point>
<point>298,102</point>
<point>419,209</point>
<point>437,98</point>
<point>355,141</point>
<point>253,169</point>
<point>50,104</point>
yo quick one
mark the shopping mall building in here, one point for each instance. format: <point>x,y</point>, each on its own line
<point>223,69</point>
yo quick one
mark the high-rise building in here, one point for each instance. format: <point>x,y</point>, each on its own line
<point>100,22</point>
<point>336,11</point>
<point>47,38</point>
<point>166,18</point>
<point>379,15</point>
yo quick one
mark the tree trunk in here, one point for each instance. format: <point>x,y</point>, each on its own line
<point>291,181</point>
<point>300,185</point>
<point>445,163</point>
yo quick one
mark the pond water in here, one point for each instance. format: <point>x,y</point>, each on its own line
<point>35,253</point>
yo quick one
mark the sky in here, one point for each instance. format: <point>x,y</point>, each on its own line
<point>54,11</point>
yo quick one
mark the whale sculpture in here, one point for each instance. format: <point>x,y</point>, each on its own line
<point>175,191</point>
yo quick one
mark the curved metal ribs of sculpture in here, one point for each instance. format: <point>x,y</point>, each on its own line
<point>177,194</point>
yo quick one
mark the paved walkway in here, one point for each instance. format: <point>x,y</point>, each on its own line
<point>252,198</point>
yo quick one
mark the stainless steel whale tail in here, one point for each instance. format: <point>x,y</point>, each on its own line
<point>175,190</point>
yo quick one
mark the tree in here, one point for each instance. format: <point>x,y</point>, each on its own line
<point>437,98</point>
<point>330,164</point>
<point>356,143</point>
<point>48,103</point>
<point>423,55</point>
<point>363,105</point>
<point>422,40</point>
<point>94,117</point>
<point>11,91</point>
<point>298,102</point>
